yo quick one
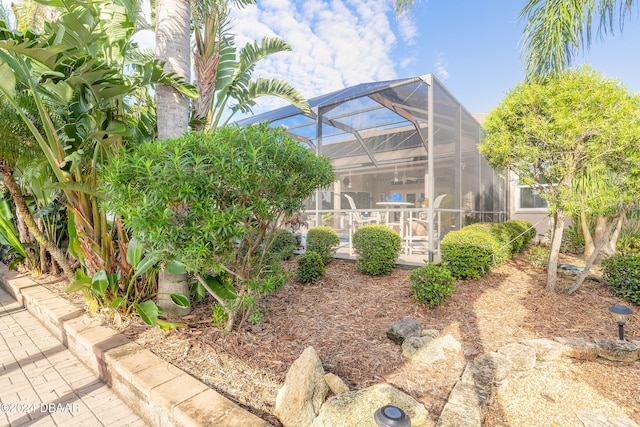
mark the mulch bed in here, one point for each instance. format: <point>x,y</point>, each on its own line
<point>345,315</point>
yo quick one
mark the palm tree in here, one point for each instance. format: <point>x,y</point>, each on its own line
<point>223,74</point>
<point>402,5</point>
<point>557,30</point>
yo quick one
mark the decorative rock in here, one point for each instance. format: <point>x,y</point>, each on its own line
<point>335,383</point>
<point>522,357</point>
<point>432,333</point>
<point>498,363</point>
<point>356,408</point>
<point>433,350</point>
<point>403,329</point>
<point>459,415</point>
<point>599,420</point>
<point>412,345</point>
<point>303,392</point>
<point>578,348</point>
<point>618,351</point>
<point>546,349</point>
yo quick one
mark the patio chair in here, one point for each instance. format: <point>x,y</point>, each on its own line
<point>357,219</point>
<point>416,237</point>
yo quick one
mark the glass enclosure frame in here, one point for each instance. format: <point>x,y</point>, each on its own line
<point>396,146</point>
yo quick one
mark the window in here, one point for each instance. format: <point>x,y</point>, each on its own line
<point>530,199</point>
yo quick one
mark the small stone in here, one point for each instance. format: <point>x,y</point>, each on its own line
<point>336,384</point>
<point>545,348</point>
<point>578,348</point>
<point>403,329</point>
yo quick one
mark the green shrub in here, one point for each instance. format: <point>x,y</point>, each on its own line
<point>469,253</point>
<point>431,284</point>
<point>310,267</point>
<point>628,243</point>
<point>377,249</point>
<point>520,234</point>
<point>622,272</point>
<point>572,240</point>
<point>324,241</point>
<point>538,256</point>
<point>283,244</point>
<point>500,234</point>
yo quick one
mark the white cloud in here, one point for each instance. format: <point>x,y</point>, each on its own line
<point>335,43</point>
<point>407,28</point>
<point>441,65</point>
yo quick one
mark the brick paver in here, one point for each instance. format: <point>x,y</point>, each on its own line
<point>44,384</point>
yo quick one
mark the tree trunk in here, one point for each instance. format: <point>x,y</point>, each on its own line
<point>22,207</point>
<point>589,247</point>
<point>25,237</point>
<point>554,251</point>
<point>173,19</point>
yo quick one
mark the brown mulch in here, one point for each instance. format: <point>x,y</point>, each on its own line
<point>345,315</point>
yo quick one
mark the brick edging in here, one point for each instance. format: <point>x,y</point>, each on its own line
<point>159,392</point>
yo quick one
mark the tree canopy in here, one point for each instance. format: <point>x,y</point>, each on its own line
<point>550,133</point>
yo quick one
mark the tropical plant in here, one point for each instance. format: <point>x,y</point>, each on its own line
<point>223,73</point>
<point>549,133</point>
<point>209,199</point>
<point>85,67</point>
<point>556,31</point>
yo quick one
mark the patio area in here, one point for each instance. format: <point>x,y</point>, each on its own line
<point>405,155</point>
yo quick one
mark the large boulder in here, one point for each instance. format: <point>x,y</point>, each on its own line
<point>356,408</point>
<point>303,392</point>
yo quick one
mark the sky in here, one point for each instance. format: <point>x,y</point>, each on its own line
<point>472,47</point>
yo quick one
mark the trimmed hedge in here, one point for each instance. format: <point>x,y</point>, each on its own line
<point>324,241</point>
<point>622,272</point>
<point>377,249</point>
<point>469,254</point>
<point>500,234</point>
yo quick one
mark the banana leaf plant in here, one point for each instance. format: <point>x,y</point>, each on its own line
<point>86,67</point>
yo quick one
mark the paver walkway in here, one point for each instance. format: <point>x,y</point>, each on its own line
<point>43,384</point>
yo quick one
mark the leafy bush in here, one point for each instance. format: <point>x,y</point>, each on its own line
<point>324,241</point>
<point>377,249</point>
<point>500,234</point>
<point>521,233</point>
<point>283,244</point>
<point>431,284</point>
<point>469,253</point>
<point>572,240</point>
<point>310,267</point>
<point>623,274</point>
<point>628,243</point>
<point>538,256</point>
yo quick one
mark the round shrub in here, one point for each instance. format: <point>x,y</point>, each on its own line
<point>468,253</point>
<point>431,284</point>
<point>283,244</point>
<point>377,249</point>
<point>500,234</point>
<point>310,267</point>
<point>324,241</point>
<point>622,272</point>
<point>518,233</point>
